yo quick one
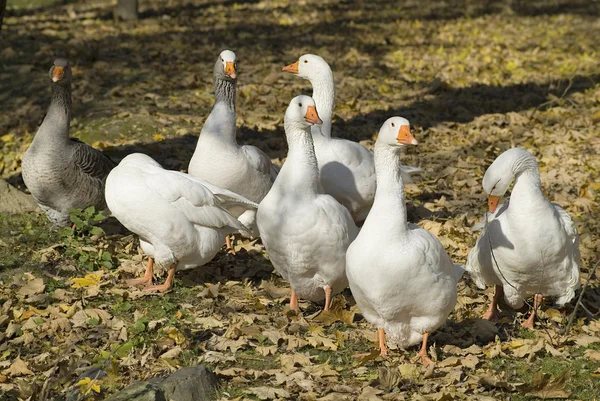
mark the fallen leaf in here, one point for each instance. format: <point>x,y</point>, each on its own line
<point>268,393</point>
<point>87,385</point>
<point>592,354</point>
<point>543,386</point>
<point>87,281</point>
<point>17,368</point>
<point>32,287</point>
<point>409,370</point>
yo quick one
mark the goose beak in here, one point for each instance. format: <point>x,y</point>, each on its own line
<point>311,116</point>
<point>230,69</point>
<point>493,202</point>
<point>405,137</point>
<point>58,73</point>
<point>293,68</point>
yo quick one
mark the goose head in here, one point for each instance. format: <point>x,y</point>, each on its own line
<point>395,132</point>
<point>501,172</point>
<point>60,72</point>
<point>226,66</point>
<point>310,67</point>
<point>302,111</point>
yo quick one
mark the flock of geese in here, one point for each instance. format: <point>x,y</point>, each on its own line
<point>308,212</point>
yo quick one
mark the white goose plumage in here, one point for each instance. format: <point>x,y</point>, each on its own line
<point>306,233</point>
<point>534,242</point>
<point>346,168</point>
<point>406,288</point>
<point>181,220</point>
<point>218,158</point>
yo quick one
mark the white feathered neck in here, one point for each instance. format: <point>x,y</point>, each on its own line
<point>389,196</point>
<point>324,96</point>
<point>300,173</point>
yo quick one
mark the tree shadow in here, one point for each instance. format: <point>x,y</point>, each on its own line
<point>462,105</point>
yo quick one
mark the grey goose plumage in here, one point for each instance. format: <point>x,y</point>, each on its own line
<point>62,172</point>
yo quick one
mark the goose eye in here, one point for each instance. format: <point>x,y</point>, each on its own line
<point>393,125</point>
<point>305,61</point>
<point>299,104</point>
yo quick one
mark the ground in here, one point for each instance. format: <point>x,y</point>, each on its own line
<point>473,77</point>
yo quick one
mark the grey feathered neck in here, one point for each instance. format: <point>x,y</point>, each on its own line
<point>225,91</point>
<point>61,103</point>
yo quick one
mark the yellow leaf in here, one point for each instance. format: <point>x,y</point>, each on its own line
<point>158,137</point>
<point>87,281</point>
<point>7,137</point>
<point>178,315</point>
<point>99,145</point>
<point>175,334</point>
<point>515,344</point>
<point>88,385</point>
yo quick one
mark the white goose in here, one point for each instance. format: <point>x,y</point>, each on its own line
<point>534,242</point>
<point>347,169</point>
<point>306,233</point>
<point>219,159</point>
<point>406,289</point>
<point>181,220</point>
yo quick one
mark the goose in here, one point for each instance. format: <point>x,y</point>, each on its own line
<point>219,159</point>
<point>181,220</point>
<point>534,243</point>
<point>346,168</point>
<point>406,289</point>
<point>306,233</point>
<point>61,172</point>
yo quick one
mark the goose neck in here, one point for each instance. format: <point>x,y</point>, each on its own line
<point>55,126</point>
<point>324,96</point>
<point>300,171</point>
<point>389,196</point>
<point>224,92</point>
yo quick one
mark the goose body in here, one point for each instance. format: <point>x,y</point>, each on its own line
<point>61,172</point>
<point>181,220</point>
<point>534,242</point>
<point>306,233</point>
<point>219,159</point>
<point>406,288</point>
<point>346,168</point>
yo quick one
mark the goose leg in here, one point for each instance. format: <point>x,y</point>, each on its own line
<point>147,279</point>
<point>492,312</point>
<point>168,282</point>
<point>422,355</point>
<point>537,301</point>
<point>382,347</point>
<point>294,302</point>
<point>228,245</point>
<point>328,292</point>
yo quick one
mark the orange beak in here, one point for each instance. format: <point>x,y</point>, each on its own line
<point>230,69</point>
<point>493,202</point>
<point>293,68</point>
<point>405,137</point>
<point>58,73</point>
<point>312,116</point>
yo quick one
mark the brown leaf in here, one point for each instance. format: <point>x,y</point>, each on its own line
<point>323,370</point>
<point>32,287</point>
<point>17,368</point>
<point>592,354</point>
<point>389,377</point>
<point>370,394</point>
<point>268,393</point>
<point>543,386</point>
